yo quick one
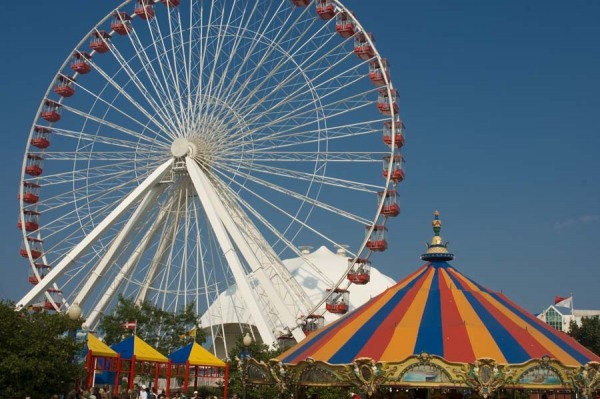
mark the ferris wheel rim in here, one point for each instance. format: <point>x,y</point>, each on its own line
<point>24,178</point>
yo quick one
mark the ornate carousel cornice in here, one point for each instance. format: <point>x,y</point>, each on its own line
<point>484,376</point>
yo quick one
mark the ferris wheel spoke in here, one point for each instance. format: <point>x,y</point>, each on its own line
<point>92,156</point>
<point>99,139</point>
<point>223,87</point>
<point>167,73</point>
<point>303,109</point>
<point>318,81</point>
<point>157,101</point>
<point>104,122</point>
<point>240,39</point>
<point>291,217</point>
<point>306,63</point>
<point>292,138</point>
<point>336,109</point>
<point>125,93</point>
<point>116,171</point>
<point>311,177</point>
<point>300,197</point>
<point>279,34</point>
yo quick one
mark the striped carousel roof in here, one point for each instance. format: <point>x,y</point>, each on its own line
<point>439,311</point>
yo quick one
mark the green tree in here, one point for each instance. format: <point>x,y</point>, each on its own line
<point>588,333</point>
<point>163,330</point>
<point>37,352</point>
<point>259,352</point>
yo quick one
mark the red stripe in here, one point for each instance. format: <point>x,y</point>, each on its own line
<point>561,335</point>
<point>323,336</point>
<point>529,344</point>
<point>381,337</point>
<point>457,345</point>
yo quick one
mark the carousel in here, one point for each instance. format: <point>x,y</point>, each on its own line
<point>437,334</point>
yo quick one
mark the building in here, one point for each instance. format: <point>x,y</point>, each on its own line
<point>561,317</point>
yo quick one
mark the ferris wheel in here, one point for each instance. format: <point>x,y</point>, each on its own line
<point>184,148</point>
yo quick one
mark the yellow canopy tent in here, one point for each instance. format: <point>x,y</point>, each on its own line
<point>206,365</point>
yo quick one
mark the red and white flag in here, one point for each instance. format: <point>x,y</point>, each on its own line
<point>563,302</point>
<point>129,325</point>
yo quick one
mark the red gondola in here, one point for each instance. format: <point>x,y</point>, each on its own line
<point>144,10</point>
<point>31,219</point>
<point>396,133</point>
<point>362,46</point>
<point>35,246</point>
<point>377,240</point>
<point>30,193</point>
<point>33,280</point>
<point>338,301</point>
<point>325,9</point>
<point>390,208</point>
<point>387,105</point>
<point>171,3</point>
<point>300,3</point>
<point>40,137</point>
<point>80,62</point>
<point>344,25</point>
<point>379,73</point>
<point>64,86</point>
<point>397,168</point>
<point>312,323</point>
<point>121,23</point>
<point>51,111</point>
<point>34,165</point>
<point>99,42</point>
<point>361,272</point>
<point>48,305</point>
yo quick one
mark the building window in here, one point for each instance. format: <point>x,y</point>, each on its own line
<point>554,319</point>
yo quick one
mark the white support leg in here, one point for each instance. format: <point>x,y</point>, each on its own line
<point>207,197</point>
<point>109,256</point>
<point>69,258</point>
<point>286,316</point>
<point>100,307</point>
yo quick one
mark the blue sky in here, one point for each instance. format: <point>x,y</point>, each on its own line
<point>500,101</point>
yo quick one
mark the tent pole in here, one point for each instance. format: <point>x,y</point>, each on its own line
<point>169,370</point>
<point>226,381</point>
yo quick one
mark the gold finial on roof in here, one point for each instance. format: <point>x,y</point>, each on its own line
<point>437,250</point>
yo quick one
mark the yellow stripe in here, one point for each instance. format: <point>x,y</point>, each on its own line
<point>556,351</point>
<point>482,341</point>
<point>336,341</point>
<point>403,341</point>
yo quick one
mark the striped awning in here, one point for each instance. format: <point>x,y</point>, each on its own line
<point>439,311</point>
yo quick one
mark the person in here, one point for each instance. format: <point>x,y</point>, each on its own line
<point>144,392</point>
<point>195,395</point>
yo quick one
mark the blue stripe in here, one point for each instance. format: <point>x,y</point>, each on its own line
<point>538,326</point>
<point>511,348</point>
<point>321,335</point>
<point>350,349</point>
<point>430,338</point>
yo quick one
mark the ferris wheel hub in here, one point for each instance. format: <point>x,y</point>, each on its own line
<point>181,147</point>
